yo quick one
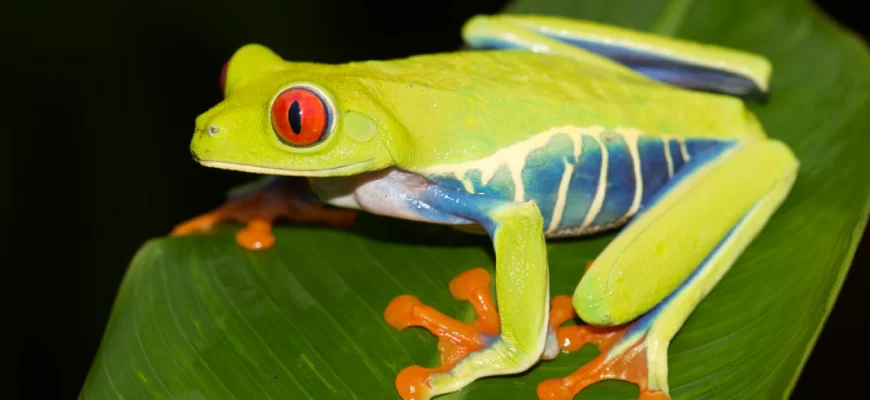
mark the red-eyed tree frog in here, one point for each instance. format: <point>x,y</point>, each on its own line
<point>545,127</point>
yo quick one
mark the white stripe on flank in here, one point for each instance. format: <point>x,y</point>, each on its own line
<point>561,198</point>
<point>665,142</point>
<point>685,152</point>
<point>466,183</point>
<point>515,166</point>
<point>598,201</point>
<point>631,143</point>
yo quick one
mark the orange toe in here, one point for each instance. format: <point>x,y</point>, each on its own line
<point>412,384</point>
<point>200,223</point>
<point>561,311</point>
<point>257,235</point>
<point>473,286</point>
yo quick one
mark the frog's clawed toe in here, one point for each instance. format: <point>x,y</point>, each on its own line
<point>623,356</point>
<point>261,207</point>
<point>456,339</point>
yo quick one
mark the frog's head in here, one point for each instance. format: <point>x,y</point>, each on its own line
<point>283,118</point>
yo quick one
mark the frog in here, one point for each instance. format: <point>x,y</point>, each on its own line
<point>541,128</point>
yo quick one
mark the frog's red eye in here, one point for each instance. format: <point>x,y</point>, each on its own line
<point>224,77</point>
<point>300,116</point>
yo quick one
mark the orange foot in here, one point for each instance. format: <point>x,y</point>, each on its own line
<point>456,339</point>
<point>622,356</point>
<point>288,197</point>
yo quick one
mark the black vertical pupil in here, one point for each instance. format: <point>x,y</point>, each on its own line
<point>294,114</point>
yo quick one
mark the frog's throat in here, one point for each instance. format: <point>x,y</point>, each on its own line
<point>336,171</point>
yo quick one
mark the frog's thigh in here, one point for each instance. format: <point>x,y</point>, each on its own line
<point>690,234</point>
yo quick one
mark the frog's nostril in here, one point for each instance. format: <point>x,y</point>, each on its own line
<point>213,130</point>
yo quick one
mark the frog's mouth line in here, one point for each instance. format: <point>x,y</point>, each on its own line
<point>349,169</point>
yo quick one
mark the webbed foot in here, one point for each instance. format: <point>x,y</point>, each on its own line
<point>623,355</point>
<point>456,339</point>
<point>260,205</point>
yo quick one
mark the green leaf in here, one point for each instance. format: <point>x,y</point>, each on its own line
<point>200,318</point>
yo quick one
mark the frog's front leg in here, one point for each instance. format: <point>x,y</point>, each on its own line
<point>666,261</point>
<point>260,203</point>
<point>471,351</point>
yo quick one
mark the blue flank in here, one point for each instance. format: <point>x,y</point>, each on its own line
<point>653,165</point>
<point>621,182</point>
<point>583,184</point>
<point>543,173</point>
<point>696,147</point>
<point>676,154</point>
<point>545,167</point>
<point>501,186</point>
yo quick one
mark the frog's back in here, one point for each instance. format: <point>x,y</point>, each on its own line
<point>465,106</point>
<point>589,148</point>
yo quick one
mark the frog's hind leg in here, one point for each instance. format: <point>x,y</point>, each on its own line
<point>666,261</point>
<point>626,53</point>
<point>262,202</point>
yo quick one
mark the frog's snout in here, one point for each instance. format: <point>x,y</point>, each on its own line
<point>206,130</point>
<point>207,126</point>
<point>211,122</point>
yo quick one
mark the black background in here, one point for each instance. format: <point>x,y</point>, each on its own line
<point>95,153</point>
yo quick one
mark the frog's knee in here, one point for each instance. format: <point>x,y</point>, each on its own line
<point>598,304</point>
<point>590,309</point>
